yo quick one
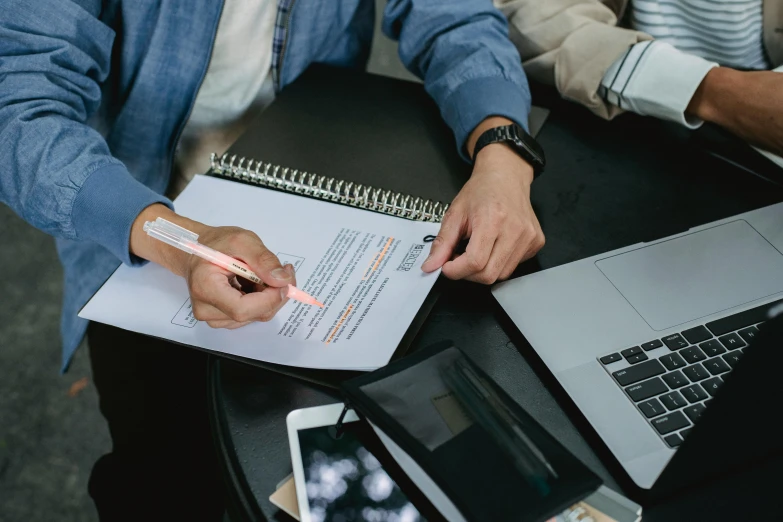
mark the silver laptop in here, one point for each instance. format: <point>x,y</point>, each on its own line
<point>642,337</point>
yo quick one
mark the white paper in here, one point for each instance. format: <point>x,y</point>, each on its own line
<point>365,266</point>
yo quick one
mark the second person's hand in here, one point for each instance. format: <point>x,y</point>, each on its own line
<point>219,297</point>
<point>493,210</point>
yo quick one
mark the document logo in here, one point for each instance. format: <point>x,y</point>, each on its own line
<point>410,258</point>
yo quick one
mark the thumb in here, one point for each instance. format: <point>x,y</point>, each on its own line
<point>444,244</point>
<point>267,266</point>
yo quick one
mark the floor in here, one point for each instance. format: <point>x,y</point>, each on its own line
<point>51,431</point>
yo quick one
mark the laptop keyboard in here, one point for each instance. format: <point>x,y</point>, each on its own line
<point>672,380</point>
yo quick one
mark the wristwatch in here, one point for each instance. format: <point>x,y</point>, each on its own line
<point>520,141</point>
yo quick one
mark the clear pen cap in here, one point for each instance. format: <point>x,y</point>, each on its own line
<point>171,234</point>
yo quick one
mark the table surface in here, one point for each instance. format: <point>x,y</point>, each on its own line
<point>607,185</point>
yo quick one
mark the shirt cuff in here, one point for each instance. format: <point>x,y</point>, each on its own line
<point>106,207</point>
<point>476,100</point>
<point>655,79</point>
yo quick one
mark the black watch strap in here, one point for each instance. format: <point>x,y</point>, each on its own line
<point>520,141</point>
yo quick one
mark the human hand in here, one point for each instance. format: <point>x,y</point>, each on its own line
<point>747,103</point>
<point>493,209</point>
<point>219,297</point>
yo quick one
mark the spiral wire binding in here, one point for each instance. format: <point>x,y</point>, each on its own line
<point>329,189</point>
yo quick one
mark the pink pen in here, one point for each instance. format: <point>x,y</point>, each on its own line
<point>187,241</point>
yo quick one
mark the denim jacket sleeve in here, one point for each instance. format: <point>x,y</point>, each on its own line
<point>57,172</point>
<point>461,49</point>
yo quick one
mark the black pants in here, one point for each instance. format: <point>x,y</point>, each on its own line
<point>163,463</point>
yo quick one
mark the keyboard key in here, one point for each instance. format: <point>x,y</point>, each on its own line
<point>684,433</point>
<point>639,357</point>
<point>672,361</point>
<point>741,320</point>
<point>673,401</point>
<point>671,422</point>
<point>717,366</point>
<point>733,358</point>
<point>712,385</point>
<point>675,380</point>
<point>707,402</point>
<point>638,372</point>
<point>697,335</point>
<point>692,354</point>
<point>749,334</point>
<point>651,408</point>
<point>712,348</point>
<point>652,345</point>
<point>694,412</point>
<point>694,393</point>
<point>732,341</point>
<point>646,389</point>
<point>609,359</point>
<point>631,351</point>
<point>675,342</point>
<point>673,440</point>
<point>696,372</point>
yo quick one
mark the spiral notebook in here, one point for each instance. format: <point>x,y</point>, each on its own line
<point>333,190</point>
<point>346,155</point>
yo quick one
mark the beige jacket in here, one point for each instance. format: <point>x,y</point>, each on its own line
<point>572,43</point>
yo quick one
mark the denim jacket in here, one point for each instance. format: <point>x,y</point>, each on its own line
<point>94,95</point>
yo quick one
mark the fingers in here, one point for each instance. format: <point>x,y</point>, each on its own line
<point>214,317</point>
<point>530,243</point>
<point>227,324</point>
<point>477,254</point>
<point>213,295</point>
<point>495,251</point>
<point>527,248</point>
<point>451,230</point>
<point>248,247</point>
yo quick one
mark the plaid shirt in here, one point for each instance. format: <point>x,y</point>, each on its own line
<point>278,43</point>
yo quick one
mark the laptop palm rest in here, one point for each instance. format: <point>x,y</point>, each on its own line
<point>695,275</point>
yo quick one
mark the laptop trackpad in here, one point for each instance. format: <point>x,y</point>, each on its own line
<point>693,276</point>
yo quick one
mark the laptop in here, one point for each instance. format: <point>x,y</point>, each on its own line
<point>643,338</point>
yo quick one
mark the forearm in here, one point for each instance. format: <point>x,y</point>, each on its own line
<point>743,102</point>
<point>715,95</point>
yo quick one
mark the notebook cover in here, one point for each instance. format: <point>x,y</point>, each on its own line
<point>359,127</point>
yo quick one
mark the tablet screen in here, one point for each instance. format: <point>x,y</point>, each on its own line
<point>346,482</point>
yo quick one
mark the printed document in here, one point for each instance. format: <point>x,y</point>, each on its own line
<point>364,266</point>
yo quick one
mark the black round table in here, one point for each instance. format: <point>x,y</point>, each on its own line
<point>607,185</point>
<point>250,404</point>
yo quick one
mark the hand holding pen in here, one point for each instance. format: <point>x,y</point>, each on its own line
<point>218,296</point>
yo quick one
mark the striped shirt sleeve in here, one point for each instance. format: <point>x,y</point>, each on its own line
<point>653,78</point>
